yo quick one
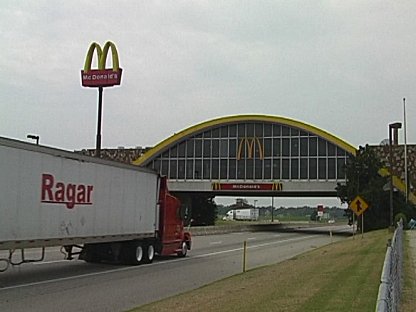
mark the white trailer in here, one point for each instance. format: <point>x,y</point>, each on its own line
<point>249,214</point>
<point>51,197</point>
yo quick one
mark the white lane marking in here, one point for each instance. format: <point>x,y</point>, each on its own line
<point>252,247</point>
<point>216,243</point>
<point>49,262</point>
<point>154,264</point>
<point>251,238</point>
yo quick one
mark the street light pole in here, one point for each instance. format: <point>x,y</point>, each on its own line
<point>33,137</point>
<point>406,182</point>
<point>394,126</point>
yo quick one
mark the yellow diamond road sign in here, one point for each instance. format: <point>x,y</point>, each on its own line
<point>358,205</point>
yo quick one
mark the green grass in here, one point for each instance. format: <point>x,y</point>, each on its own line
<point>343,276</point>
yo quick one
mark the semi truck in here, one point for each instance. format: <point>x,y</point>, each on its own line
<point>248,214</point>
<point>96,209</point>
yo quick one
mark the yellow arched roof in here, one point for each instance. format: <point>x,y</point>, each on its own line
<point>243,118</point>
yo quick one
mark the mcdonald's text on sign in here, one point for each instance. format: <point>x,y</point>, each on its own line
<point>101,77</point>
<point>276,186</point>
<point>358,205</point>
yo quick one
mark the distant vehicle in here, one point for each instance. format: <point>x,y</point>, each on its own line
<point>249,214</point>
<point>100,210</point>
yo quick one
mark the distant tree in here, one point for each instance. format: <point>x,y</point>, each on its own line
<point>363,179</point>
<point>204,209</point>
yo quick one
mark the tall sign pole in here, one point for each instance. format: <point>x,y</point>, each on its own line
<point>100,114</point>
<point>100,78</point>
<point>406,182</point>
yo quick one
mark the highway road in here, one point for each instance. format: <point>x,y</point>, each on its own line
<point>61,285</point>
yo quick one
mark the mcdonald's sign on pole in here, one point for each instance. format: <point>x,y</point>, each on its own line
<point>101,77</point>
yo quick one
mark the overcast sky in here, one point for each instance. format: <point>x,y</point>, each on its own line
<point>343,66</point>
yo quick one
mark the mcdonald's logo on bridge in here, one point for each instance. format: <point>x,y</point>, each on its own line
<point>250,144</point>
<point>101,77</point>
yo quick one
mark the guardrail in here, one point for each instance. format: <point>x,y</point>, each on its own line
<point>391,278</point>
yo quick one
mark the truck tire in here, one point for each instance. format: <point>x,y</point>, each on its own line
<point>135,253</point>
<point>149,254</point>
<point>184,250</point>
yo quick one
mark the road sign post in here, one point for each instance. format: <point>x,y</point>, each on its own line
<point>358,205</point>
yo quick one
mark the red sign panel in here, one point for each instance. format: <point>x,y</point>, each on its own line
<point>101,77</point>
<point>276,186</point>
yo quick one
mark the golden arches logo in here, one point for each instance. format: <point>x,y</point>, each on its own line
<point>250,144</point>
<point>101,77</point>
<point>277,186</point>
<point>216,186</point>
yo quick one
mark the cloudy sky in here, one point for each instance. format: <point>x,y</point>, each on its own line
<point>343,66</point>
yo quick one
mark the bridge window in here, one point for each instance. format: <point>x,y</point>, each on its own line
<point>224,132</point>
<point>285,168</point>
<point>294,147</point>
<point>258,169</point>
<point>276,147</point>
<point>258,130</point>
<point>190,148</point>
<point>189,169</point>
<point>285,147</point>
<point>313,148</point>
<point>276,130</point>
<point>215,148</point>
<point>173,170</point>
<point>181,149</point>
<point>304,146</point>
<point>216,133</point>
<point>331,149</point>
<point>224,148</point>
<point>181,169</point>
<point>276,169</point>
<point>267,130</point>
<point>198,169</point>
<point>252,151</point>
<point>294,168</point>
<point>198,148</point>
<point>331,168</point>
<point>232,169</point>
<point>304,168</point>
<point>341,168</point>
<point>285,131</point>
<point>223,169</point>
<point>322,168</point>
<point>233,148</point>
<point>215,169</point>
<point>207,148</point>
<point>249,169</point>
<point>321,147</point>
<point>313,167</point>
<point>207,169</point>
<point>250,130</point>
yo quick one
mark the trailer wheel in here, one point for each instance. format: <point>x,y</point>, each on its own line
<point>150,253</point>
<point>184,250</point>
<point>135,253</point>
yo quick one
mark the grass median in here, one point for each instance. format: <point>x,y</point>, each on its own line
<point>342,276</point>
